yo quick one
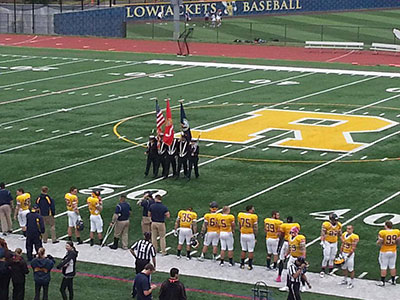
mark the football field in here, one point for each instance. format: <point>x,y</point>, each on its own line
<point>306,139</point>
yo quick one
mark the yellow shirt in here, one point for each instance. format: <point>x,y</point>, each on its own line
<point>348,241</point>
<point>212,222</point>
<point>72,201</point>
<point>186,218</point>
<point>389,239</point>
<point>332,231</point>
<point>272,227</point>
<point>294,245</point>
<point>285,228</point>
<point>247,222</point>
<point>225,222</point>
<point>23,201</point>
<point>93,203</point>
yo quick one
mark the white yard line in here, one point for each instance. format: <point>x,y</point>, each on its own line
<point>17,59</point>
<point>373,104</point>
<point>361,213</point>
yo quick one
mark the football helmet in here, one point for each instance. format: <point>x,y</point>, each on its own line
<point>339,260</point>
<point>80,225</point>
<point>194,242</point>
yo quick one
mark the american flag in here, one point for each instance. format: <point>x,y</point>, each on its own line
<point>159,117</point>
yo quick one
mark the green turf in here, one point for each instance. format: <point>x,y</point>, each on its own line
<point>363,26</point>
<point>355,186</point>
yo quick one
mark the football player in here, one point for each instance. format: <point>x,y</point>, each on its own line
<point>95,206</point>
<point>22,209</point>
<point>284,235</point>
<point>211,230</point>
<point>187,224</point>
<point>248,225</point>
<point>71,200</point>
<point>388,239</point>
<point>271,228</point>
<point>330,232</point>
<point>347,249</point>
<point>226,223</point>
<point>296,249</point>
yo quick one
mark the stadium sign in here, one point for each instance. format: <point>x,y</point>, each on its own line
<point>227,8</point>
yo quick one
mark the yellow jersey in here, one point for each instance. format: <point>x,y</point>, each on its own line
<point>294,245</point>
<point>72,201</point>
<point>247,222</point>
<point>186,218</point>
<point>225,222</point>
<point>23,201</point>
<point>94,203</point>
<point>212,222</point>
<point>389,239</point>
<point>348,240</point>
<point>272,227</point>
<point>285,228</point>
<point>331,231</point>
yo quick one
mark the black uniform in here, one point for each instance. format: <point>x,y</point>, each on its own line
<point>162,157</point>
<point>183,153</point>
<point>193,159</point>
<point>171,158</point>
<point>152,156</point>
<point>34,230</point>
<point>294,283</point>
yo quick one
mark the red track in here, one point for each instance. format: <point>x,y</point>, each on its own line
<point>204,49</point>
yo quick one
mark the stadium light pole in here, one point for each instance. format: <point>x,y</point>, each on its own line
<point>176,5</point>
<point>15,16</point>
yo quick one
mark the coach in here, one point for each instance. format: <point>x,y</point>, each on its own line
<point>6,203</point>
<point>146,202</point>
<point>47,211</point>
<point>121,221</point>
<point>143,251</point>
<point>34,230</point>
<point>158,212</point>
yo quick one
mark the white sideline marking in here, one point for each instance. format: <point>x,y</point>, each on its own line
<point>33,90</point>
<point>265,149</point>
<point>382,114</point>
<point>97,95</point>
<point>384,159</point>
<point>239,104</point>
<point>84,94</point>
<point>8,127</point>
<point>285,150</point>
<point>23,129</point>
<point>17,59</point>
<point>323,154</point>
<point>317,109</point>
<point>273,68</point>
<point>89,133</point>
<point>139,97</point>
<point>55,131</point>
<point>301,108</point>
<point>68,75</point>
<point>45,91</point>
<point>168,248</point>
<point>19,90</point>
<point>373,104</point>
<point>39,130</point>
<point>333,110</point>
<point>362,275</point>
<point>398,116</point>
<point>255,105</point>
<point>210,102</point>
<point>110,96</point>
<point>304,152</point>
<point>71,93</point>
<point>228,146</point>
<point>6,89</point>
<point>105,135</point>
<point>364,157</point>
<point>138,138</point>
<point>210,144</point>
<point>363,212</point>
<point>366,113</point>
<point>225,103</point>
<point>286,107</point>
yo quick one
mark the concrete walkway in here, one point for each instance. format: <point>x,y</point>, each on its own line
<point>363,289</point>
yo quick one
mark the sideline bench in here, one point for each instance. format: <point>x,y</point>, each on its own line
<point>385,47</point>
<point>334,45</point>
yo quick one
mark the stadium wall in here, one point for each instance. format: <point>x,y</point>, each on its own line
<point>112,21</point>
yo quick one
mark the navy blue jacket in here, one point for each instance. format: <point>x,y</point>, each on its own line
<point>123,211</point>
<point>41,269</point>
<point>34,225</point>
<point>5,197</point>
<point>46,205</point>
<point>146,203</point>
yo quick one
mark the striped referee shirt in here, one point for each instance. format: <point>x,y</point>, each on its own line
<point>292,270</point>
<point>144,250</point>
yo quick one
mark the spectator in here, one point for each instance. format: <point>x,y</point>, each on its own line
<point>19,269</point>
<point>142,251</point>
<point>41,267</point>
<point>5,274</point>
<point>47,211</point>
<point>146,202</point>
<point>121,221</point>
<point>158,212</point>
<point>172,288</point>
<point>68,266</point>
<point>34,230</point>
<point>6,206</point>
<point>142,286</point>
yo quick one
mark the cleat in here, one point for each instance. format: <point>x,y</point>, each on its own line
<point>284,289</point>
<point>188,257</point>
<point>380,283</point>
<point>231,265</point>
<point>350,286</point>
<point>221,264</point>
<point>201,258</point>
<point>250,268</point>
<point>322,274</point>
<point>343,282</point>
<point>214,258</point>
<point>269,268</point>
<point>393,282</point>
<point>278,279</point>
<point>303,289</point>
<point>241,266</point>
<point>178,257</point>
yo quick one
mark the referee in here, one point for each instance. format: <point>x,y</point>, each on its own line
<point>296,274</point>
<point>142,251</point>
